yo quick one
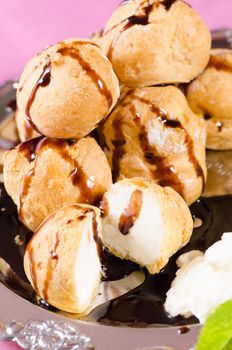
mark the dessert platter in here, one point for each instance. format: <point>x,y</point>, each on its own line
<point>116,185</point>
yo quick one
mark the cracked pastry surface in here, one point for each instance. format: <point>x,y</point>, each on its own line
<point>144,222</point>
<point>65,91</point>
<point>62,261</point>
<point>210,95</point>
<point>43,175</point>
<point>154,134</point>
<point>156,42</point>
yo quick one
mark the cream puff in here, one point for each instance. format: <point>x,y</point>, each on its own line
<point>66,91</point>
<point>62,260</point>
<point>154,134</point>
<point>210,95</point>
<point>43,175</point>
<point>151,42</point>
<point>144,222</point>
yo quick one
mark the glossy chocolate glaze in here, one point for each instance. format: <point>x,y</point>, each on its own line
<point>131,213</point>
<point>143,305</point>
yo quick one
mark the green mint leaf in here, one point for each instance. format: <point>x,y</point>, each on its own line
<point>217,331</point>
<point>229,345</point>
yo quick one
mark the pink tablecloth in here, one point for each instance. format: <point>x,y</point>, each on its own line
<point>28,26</point>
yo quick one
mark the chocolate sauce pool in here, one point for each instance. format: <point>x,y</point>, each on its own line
<point>143,305</point>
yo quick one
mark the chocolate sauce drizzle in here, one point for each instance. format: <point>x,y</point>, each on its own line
<point>45,78</point>
<point>219,126</point>
<point>141,17</point>
<point>43,81</point>
<point>29,151</point>
<point>25,190</point>
<point>28,130</point>
<point>183,330</point>
<point>119,139</point>
<point>78,175</point>
<point>96,237</point>
<point>131,213</point>
<point>163,172</point>
<point>94,76</point>
<point>220,64</point>
<point>54,250</point>
<point>207,116</point>
<point>119,149</point>
<point>54,258</point>
<point>32,148</point>
<point>168,4</point>
<point>28,148</point>
<point>168,122</point>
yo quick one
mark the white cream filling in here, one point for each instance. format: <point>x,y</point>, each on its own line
<point>144,240</point>
<point>164,138</point>
<point>203,281</point>
<point>87,269</point>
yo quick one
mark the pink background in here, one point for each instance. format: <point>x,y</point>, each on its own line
<point>28,26</point>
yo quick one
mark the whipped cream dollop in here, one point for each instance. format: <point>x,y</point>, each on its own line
<point>203,281</point>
